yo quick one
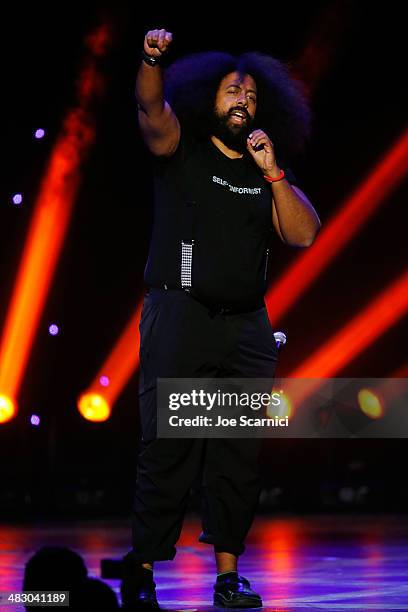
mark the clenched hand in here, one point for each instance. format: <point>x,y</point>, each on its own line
<point>157,42</point>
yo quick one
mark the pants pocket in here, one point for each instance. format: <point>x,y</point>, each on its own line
<point>271,332</point>
<point>147,328</point>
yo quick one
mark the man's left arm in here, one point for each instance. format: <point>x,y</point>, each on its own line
<point>293,215</point>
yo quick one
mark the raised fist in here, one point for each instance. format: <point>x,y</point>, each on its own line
<point>156,42</point>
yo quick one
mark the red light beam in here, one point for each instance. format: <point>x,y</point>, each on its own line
<point>51,217</point>
<point>334,236</point>
<point>388,308</point>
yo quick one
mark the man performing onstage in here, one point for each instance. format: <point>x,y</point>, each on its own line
<point>221,130</point>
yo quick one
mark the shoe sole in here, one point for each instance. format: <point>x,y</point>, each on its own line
<point>219,600</point>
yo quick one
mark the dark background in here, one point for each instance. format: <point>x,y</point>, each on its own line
<point>71,466</point>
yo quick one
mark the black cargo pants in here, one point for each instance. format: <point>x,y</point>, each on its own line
<point>181,338</point>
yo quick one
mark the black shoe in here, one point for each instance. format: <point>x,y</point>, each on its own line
<point>233,591</point>
<point>138,589</point>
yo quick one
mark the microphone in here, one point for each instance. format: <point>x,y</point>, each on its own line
<point>280,338</point>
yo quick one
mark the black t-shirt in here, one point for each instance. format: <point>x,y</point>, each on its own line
<point>224,205</point>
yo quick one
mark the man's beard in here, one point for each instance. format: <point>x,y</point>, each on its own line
<point>232,136</point>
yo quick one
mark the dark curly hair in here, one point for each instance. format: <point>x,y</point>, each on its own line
<point>191,84</point>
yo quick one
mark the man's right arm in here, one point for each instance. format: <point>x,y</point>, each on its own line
<point>158,123</point>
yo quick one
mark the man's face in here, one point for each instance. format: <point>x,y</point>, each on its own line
<point>234,112</point>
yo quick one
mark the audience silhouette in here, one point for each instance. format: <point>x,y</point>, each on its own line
<point>56,568</point>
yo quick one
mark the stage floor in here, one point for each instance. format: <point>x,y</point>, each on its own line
<point>296,563</point>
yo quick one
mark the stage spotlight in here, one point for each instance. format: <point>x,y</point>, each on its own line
<point>104,380</point>
<point>285,408</point>
<point>17,198</point>
<point>53,330</point>
<point>358,333</point>
<point>52,212</point>
<point>120,363</point>
<point>40,133</point>
<point>94,407</point>
<point>370,404</point>
<point>7,409</point>
<point>35,420</point>
<point>338,231</point>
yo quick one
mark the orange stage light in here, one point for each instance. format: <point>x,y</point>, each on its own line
<point>381,396</point>
<point>94,407</point>
<point>340,230</point>
<point>7,408</point>
<point>285,408</point>
<point>51,217</point>
<point>120,364</point>
<point>359,333</point>
<point>370,403</point>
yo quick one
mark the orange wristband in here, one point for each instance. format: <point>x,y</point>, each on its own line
<point>271,179</point>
